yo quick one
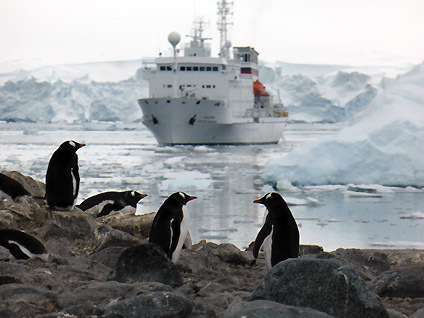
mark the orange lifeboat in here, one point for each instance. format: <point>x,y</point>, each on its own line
<point>259,89</point>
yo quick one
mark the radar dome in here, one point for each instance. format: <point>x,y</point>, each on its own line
<point>228,44</point>
<point>174,38</point>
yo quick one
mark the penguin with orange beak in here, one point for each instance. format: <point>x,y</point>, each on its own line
<point>170,228</point>
<point>279,236</point>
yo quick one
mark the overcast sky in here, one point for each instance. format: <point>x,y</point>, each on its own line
<point>355,32</point>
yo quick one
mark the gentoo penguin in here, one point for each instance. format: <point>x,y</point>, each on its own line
<point>22,245</point>
<point>279,236</point>
<point>10,188</point>
<point>170,225</point>
<point>107,202</point>
<point>62,178</point>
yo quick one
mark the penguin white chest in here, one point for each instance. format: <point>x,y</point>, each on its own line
<point>267,248</point>
<point>183,234</point>
<point>74,183</point>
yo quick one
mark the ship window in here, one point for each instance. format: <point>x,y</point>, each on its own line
<point>203,86</point>
<point>208,86</point>
<point>202,68</point>
<point>188,68</point>
<point>169,68</point>
<point>182,68</point>
<point>168,101</point>
<point>169,85</point>
<point>223,67</point>
<point>162,68</point>
<point>195,68</point>
<point>213,86</point>
<point>208,68</point>
<point>215,68</point>
<point>188,85</point>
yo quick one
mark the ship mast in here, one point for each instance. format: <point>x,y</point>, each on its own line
<point>224,14</point>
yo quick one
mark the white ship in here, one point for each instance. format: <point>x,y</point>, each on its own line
<point>199,99</point>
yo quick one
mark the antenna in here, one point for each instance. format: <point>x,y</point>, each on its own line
<point>224,12</point>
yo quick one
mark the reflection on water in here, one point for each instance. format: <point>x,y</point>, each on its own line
<point>226,180</point>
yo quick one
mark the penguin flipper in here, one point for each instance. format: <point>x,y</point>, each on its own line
<point>262,235</point>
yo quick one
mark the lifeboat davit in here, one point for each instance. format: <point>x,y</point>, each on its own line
<point>259,89</point>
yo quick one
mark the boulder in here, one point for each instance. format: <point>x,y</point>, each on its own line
<point>25,300</point>
<point>403,282</point>
<point>418,314</point>
<point>271,309</point>
<point>326,285</point>
<point>74,225</point>
<point>229,253</point>
<point>94,293</point>
<point>136,225</point>
<point>155,304</point>
<point>147,263</point>
<point>107,236</point>
<point>36,188</point>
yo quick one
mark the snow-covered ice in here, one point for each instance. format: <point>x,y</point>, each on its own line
<point>382,145</point>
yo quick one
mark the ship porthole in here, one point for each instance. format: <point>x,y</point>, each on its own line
<point>146,102</point>
<point>198,102</point>
<point>168,101</point>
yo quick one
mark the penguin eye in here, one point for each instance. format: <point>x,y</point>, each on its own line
<point>182,195</point>
<point>72,143</point>
<point>268,196</point>
<point>133,193</point>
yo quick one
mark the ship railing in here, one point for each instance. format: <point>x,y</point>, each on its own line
<point>265,112</point>
<point>149,64</point>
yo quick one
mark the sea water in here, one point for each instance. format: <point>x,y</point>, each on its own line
<point>226,180</point>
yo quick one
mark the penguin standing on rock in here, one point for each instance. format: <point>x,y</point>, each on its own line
<point>170,225</point>
<point>112,201</point>
<point>10,188</point>
<point>279,236</point>
<point>22,245</point>
<point>62,178</point>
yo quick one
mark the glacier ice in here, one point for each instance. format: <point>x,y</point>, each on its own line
<point>383,144</point>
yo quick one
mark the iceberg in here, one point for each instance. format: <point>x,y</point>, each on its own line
<point>382,145</point>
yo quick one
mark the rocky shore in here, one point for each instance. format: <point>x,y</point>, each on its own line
<point>104,267</point>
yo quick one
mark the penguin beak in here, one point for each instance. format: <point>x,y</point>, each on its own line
<point>258,201</point>
<point>143,196</point>
<point>191,198</point>
<point>81,145</point>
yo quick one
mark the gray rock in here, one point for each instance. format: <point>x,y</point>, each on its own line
<point>25,300</point>
<point>147,263</point>
<point>310,249</point>
<point>149,305</point>
<point>229,253</point>
<point>107,236</point>
<point>92,295</point>
<point>404,282</point>
<point>34,187</point>
<point>418,314</point>
<point>71,225</point>
<point>270,309</point>
<point>325,285</point>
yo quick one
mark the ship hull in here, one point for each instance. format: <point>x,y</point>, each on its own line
<point>192,121</point>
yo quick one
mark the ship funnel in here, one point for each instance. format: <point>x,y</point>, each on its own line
<point>174,38</point>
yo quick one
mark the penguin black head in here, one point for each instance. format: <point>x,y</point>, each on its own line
<point>270,199</point>
<point>71,145</point>
<point>181,197</point>
<point>132,197</point>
